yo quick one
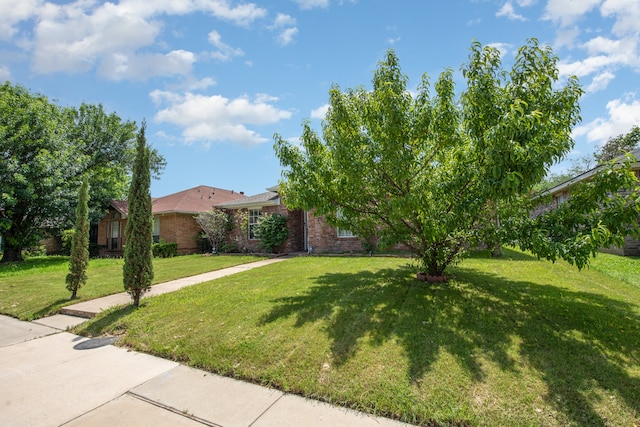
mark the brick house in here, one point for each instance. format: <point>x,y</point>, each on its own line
<point>173,219</point>
<point>307,232</point>
<point>561,192</point>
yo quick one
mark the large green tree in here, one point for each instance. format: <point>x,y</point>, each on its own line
<point>79,260</point>
<point>34,168</point>
<point>45,151</point>
<point>138,257</point>
<point>435,171</point>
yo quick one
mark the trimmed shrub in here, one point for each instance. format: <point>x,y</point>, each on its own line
<point>165,249</point>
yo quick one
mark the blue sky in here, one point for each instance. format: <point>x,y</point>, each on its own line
<point>215,79</point>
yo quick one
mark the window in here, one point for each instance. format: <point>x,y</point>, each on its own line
<point>345,233</point>
<point>254,217</point>
<point>156,230</point>
<point>341,231</point>
<point>114,236</point>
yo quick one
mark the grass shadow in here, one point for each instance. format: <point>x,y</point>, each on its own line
<point>35,263</point>
<point>574,340</point>
<point>106,322</point>
<point>53,307</point>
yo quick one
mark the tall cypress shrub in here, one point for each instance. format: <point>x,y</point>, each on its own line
<point>79,260</point>
<point>138,265</point>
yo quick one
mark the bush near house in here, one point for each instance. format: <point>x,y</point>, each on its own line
<point>272,231</point>
<point>165,249</point>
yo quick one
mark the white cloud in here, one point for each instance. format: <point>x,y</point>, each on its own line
<point>215,118</point>
<point>286,36</point>
<point>604,54</point>
<point>194,84</point>
<point>623,114</point>
<point>70,39</point>
<point>5,73</point>
<point>503,48</point>
<point>627,14</point>
<point>393,40</point>
<point>567,12</point>
<point>243,14</point>
<point>14,12</point>
<point>286,26</point>
<point>143,67</point>
<point>284,20</point>
<point>224,52</point>
<point>566,37</point>
<point>320,112</point>
<point>600,82</point>
<point>81,35</point>
<point>507,10</point>
<point>310,4</point>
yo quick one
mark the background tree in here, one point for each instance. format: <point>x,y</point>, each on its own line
<point>216,225</point>
<point>618,145</point>
<point>614,147</point>
<point>425,170</point>
<point>138,259</point>
<point>105,145</point>
<point>79,260</point>
<point>45,152</point>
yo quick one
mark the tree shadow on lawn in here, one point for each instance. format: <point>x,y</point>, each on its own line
<point>53,307</point>
<point>107,322</point>
<point>575,340</point>
<point>36,264</point>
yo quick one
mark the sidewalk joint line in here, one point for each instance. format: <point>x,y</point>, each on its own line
<point>268,409</point>
<point>183,413</point>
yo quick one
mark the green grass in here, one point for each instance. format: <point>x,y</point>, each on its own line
<point>36,287</point>
<point>514,341</point>
<point>626,269</point>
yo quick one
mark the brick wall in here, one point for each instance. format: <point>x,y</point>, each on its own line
<point>295,224</point>
<point>174,227</point>
<point>324,237</point>
<point>181,229</point>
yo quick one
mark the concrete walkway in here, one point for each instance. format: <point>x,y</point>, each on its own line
<point>50,377</point>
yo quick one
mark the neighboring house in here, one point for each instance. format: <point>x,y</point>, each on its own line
<point>173,219</point>
<point>561,193</point>
<point>307,232</point>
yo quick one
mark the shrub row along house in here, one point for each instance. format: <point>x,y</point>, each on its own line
<point>174,221</point>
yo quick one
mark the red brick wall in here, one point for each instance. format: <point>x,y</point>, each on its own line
<point>181,229</point>
<point>174,227</point>
<point>324,237</point>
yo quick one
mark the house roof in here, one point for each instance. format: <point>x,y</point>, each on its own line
<point>270,198</point>
<point>192,201</point>
<point>588,174</point>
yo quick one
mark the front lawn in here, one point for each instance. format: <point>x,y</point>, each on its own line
<point>36,287</point>
<point>514,341</point>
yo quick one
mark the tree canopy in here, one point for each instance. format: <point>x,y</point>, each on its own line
<point>45,150</point>
<point>435,171</point>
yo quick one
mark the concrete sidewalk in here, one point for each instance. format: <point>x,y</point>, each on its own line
<point>61,379</point>
<point>52,378</point>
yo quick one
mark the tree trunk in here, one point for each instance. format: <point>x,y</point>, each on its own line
<point>11,253</point>
<point>136,298</point>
